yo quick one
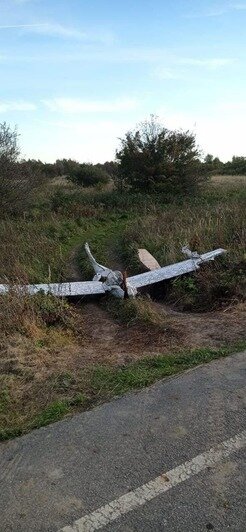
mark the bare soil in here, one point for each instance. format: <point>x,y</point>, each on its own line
<point>102,340</point>
<point>116,343</point>
<point>49,363</point>
<point>107,341</point>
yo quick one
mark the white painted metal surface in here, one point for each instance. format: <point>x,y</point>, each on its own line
<point>60,290</point>
<point>106,280</point>
<point>174,270</point>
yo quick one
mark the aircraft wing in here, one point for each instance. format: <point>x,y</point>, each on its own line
<point>173,270</point>
<point>84,288</point>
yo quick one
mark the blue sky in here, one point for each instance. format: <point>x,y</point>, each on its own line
<point>77,74</point>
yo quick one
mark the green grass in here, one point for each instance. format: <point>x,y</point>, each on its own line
<point>116,381</point>
<point>36,248</point>
<point>100,383</point>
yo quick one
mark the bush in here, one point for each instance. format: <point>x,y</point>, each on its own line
<point>237,166</point>
<point>212,165</point>
<point>88,175</point>
<point>154,159</point>
<point>17,180</point>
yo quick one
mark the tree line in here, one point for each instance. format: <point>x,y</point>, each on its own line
<point>150,159</point>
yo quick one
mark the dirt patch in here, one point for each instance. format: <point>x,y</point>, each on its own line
<point>211,329</point>
<point>43,373</point>
<point>107,341</point>
<point>49,364</point>
<point>116,343</point>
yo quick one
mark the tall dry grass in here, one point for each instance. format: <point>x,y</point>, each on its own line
<point>203,228</point>
<point>22,313</point>
<point>34,250</point>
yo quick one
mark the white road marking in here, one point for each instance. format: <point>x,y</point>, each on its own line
<point>138,497</point>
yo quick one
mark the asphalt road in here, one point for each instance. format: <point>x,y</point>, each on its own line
<point>53,477</point>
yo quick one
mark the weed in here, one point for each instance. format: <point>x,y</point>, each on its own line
<point>52,413</point>
<point>136,311</point>
<point>24,313</point>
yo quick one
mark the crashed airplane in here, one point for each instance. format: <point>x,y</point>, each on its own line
<point>117,283</point>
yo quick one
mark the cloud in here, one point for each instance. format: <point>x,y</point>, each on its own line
<point>64,32</point>
<point>90,139</point>
<point>165,62</point>
<point>76,105</point>
<point>166,73</point>
<point>217,12</point>
<point>221,134</point>
<point>227,107</point>
<point>87,53</point>
<point>10,26</point>
<point>211,13</point>
<point>212,63</point>
<point>16,106</point>
<point>59,30</point>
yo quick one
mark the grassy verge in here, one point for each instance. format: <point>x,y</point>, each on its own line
<point>100,383</point>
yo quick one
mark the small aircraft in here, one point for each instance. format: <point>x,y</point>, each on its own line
<point>116,282</point>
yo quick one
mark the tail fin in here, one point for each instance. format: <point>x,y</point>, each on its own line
<point>98,268</point>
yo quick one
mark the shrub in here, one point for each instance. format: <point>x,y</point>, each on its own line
<point>88,175</point>
<point>154,159</point>
<point>17,180</point>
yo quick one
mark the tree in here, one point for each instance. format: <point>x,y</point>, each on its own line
<point>66,167</point>
<point>89,175</point>
<point>213,164</point>
<point>110,167</point>
<point>9,148</point>
<point>237,166</point>
<point>155,159</point>
<point>17,180</point>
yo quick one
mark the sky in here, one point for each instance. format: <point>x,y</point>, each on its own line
<point>76,75</point>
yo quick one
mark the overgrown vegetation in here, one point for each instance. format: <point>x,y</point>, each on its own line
<point>54,358</point>
<point>155,160</point>
<point>89,175</point>
<point>17,180</point>
<point>237,166</point>
<point>202,227</point>
<point>23,313</point>
<point>137,311</point>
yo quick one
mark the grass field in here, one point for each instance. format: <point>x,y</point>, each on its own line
<point>57,357</point>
